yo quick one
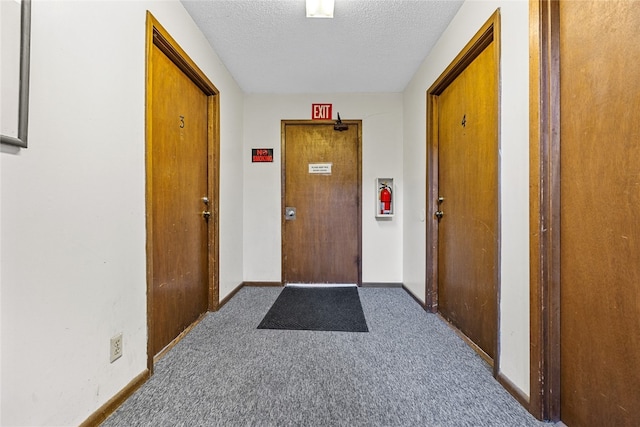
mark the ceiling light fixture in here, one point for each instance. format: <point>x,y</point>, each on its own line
<point>320,8</point>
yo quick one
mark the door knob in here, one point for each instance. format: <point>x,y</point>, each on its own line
<point>289,213</point>
<point>205,200</point>
<point>206,215</point>
<point>439,214</point>
<point>440,199</point>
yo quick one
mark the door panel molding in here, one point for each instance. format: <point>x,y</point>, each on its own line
<point>157,36</point>
<point>487,37</point>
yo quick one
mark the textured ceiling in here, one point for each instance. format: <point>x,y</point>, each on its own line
<point>270,46</point>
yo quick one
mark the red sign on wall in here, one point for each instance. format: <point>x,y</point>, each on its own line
<point>262,155</point>
<point>321,111</point>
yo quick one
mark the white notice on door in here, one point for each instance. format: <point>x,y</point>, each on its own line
<point>320,168</point>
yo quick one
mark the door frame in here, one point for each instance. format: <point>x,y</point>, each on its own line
<point>488,33</point>
<point>544,213</point>
<point>283,125</point>
<point>157,35</point>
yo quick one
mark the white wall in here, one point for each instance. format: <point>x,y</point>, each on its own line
<point>514,170</point>
<point>73,207</point>
<point>381,116</point>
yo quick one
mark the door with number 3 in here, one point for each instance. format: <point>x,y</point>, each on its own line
<point>181,202</point>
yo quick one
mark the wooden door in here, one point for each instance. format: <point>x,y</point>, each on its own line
<point>322,181</point>
<point>179,197</point>
<point>600,206</point>
<point>466,192</point>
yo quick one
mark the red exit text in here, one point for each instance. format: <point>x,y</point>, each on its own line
<point>321,111</point>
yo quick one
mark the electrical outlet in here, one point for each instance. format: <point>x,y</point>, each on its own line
<point>116,347</point>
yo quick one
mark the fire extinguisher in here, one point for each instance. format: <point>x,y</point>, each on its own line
<point>385,199</point>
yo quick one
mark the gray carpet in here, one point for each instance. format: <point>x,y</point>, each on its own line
<point>409,370</point>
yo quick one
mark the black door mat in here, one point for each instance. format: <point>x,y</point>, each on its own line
<point>317,309</point>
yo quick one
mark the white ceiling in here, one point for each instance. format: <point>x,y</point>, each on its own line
<point>270,46</point>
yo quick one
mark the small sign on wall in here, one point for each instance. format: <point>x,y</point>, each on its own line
<point>321,111</point>
<point>262,155</point>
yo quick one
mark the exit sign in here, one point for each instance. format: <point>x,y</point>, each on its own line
<point>321,111</point>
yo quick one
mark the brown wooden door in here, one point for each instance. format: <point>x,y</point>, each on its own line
<point>600,206</point>
<point>467,252</point>
<point>179,180</point>
<point>322,243</point>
